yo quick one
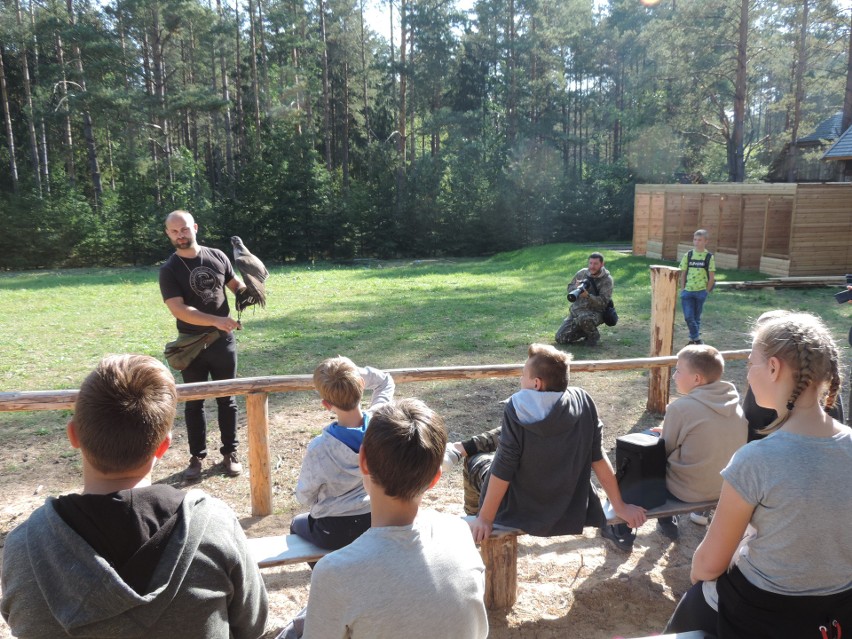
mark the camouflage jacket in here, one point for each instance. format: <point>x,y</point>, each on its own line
<point>593,303</point>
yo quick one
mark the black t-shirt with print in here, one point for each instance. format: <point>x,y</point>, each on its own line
<point>200,281</point>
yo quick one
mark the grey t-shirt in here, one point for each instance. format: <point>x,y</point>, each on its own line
<point>801,488</point>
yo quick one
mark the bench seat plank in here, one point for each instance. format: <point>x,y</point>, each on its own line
<point>671,507</point>
<point>693,634</point>
<point>282,550</point>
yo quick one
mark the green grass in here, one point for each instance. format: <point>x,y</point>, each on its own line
<point>57,324</point>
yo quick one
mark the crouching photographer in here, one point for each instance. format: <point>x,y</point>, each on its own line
<point>590,294</point>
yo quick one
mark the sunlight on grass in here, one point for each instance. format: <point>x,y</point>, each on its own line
<point>389,314</point>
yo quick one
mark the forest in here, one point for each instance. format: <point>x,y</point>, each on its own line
<point>461,130</point>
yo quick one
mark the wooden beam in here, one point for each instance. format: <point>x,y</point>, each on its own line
<point>17,401</point>
<point>664,283</point>
<point>260,479</point>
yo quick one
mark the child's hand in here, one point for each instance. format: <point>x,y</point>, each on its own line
<point>480,529</point>
<point>633,515</point>
<point>656,429</point>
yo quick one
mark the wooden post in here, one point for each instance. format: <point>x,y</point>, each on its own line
<point>257,410</point>
<point>500,556</point>
<point>664,283</point>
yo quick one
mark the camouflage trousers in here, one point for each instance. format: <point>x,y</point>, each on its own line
<point>477,466</point>
<point>582,325</point>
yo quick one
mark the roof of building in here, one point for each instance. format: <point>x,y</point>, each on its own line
<point>842,148</point>
<point>828,129</point>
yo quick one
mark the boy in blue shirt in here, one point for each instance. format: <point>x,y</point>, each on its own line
<point>330,480</point>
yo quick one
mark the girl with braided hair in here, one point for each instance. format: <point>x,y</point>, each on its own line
<point>792,576</point>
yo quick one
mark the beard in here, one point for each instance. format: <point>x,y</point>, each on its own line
<point>183,243</point>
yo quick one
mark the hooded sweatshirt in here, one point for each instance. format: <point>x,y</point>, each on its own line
<point>702,430</point>
<point>204,584</point>
<point>330,481</point>
<point>548,442</point>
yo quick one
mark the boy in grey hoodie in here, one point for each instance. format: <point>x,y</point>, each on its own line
<point>330,480</point>
<point>127,558</point>
<point>539,477</point>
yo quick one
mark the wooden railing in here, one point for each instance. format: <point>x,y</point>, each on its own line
<point>257,390</point>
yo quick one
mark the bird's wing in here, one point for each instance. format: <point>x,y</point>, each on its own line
<point>254,274</point>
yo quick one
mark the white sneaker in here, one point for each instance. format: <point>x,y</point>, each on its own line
<point>702,518</point>
<point>451,458</point>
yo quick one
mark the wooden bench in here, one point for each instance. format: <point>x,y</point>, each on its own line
<point>693,634</point>
<point>670,508</point>
<point>499,554</point>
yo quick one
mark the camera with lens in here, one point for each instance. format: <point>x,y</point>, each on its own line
<point>583,286</point>
<point>842,297</point>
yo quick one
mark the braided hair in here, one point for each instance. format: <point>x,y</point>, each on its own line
<point>804,343</point>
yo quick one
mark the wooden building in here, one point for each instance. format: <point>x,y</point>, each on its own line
<point>778,229</point>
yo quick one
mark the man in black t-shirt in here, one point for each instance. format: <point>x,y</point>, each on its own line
<point>192,283</point>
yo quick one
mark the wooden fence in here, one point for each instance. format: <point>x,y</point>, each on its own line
<point>257,390</point>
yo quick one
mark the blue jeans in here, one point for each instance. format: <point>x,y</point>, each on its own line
<point>692,303</point>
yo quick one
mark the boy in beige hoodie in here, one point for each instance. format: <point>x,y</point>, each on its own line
<point>702,429</point>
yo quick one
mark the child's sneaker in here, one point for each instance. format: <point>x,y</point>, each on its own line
<point>451,458</point>
<point>702,518</point>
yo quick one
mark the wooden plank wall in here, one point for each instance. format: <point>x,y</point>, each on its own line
<point>821,237</point>
<point>641,214</point>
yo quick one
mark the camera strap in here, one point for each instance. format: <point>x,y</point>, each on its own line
<point>591,281</point>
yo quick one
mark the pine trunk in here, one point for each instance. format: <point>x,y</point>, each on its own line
<point>737,157</point>
<point>88,129</point>
<point>798,94</point>
<point>7,119</point>
<point>326,106</point>
<point>28,96</point>
<point>68,138</point>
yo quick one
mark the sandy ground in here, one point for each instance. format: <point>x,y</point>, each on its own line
<point>573,586</point>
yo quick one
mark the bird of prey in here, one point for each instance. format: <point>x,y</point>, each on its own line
<point>254,275</point>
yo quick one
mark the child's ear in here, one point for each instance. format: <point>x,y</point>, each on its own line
<point>164,446</point>
<point>435,479</point>
<point>362,462</point>
<point>326,404</point>
<point>71,432</point>
<point>539,385</point>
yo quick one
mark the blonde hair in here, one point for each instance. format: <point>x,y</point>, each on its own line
<point>804,343</point>
<point>124,411</point>
<point>338,382</point>
<point>550,365</point>
<point>704,360</point>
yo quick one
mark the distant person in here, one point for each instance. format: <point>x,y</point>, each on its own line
<point>415,573</point>
<point>697,279</point>
<point>193,282</point>
<point>587,310</point>
<point>534,472</point>
<point>127,558</point>
<point>702,430</point>
<point>330,480</point>
<point>792,575</point>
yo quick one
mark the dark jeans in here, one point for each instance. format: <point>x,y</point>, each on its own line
<point>217,361</point>
<point>692,303</point>
<point>693,613</point>
<point>330,533</point>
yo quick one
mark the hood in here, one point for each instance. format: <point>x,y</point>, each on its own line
<point>86,595</point>
<point>545,412</point>
<point>720,397</point>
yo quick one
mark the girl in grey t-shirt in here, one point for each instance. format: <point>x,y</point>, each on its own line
<point>794,577</point>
